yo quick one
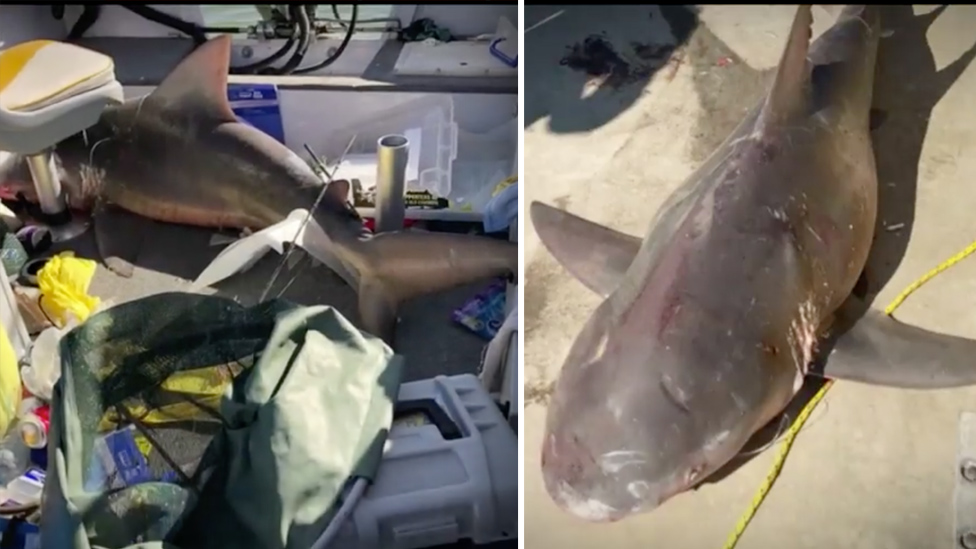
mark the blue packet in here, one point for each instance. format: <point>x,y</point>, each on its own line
<point>484,313</point>
<point>258,105</point>
<point>117,462</point>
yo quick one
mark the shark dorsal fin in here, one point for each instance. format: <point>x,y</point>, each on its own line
<point>789,93</point>
<point>199,81</point>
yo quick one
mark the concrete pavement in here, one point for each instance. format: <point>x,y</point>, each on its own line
<point>875,467</point>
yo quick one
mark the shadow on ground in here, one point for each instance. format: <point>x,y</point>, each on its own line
<point>608,54</point>
<point>907,87</point>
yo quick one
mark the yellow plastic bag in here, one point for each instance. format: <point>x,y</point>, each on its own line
<point>64,282</point>
<point>10,391</point>
<point>185,392</point>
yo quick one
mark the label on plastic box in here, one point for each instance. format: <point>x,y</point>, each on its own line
<point>117,462</point>
<point>257,105</point>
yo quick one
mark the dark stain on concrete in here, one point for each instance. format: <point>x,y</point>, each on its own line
<point>597,58</point>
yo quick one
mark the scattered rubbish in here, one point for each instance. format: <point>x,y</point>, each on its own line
<point>12,252</point>
<point>496,352</point>
<point>895,227</point>
<point>9,218</point>
<point>14,457</point>
<point>423,29</point>
<point>35,239</point>
<point>28,301</point>
<point>242,254</point>
<point>64,281</point>
<point>44,369</point>
<point>724,61</point>
<point>10,391</point>
<point>119,460</point>
<point>503,206</point>
<point>485,312</point>
<point>26,488</point>
<point>34,426</point>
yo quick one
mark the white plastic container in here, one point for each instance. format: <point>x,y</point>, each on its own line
<point>428,122</point>
<point>10,319</point>
<point>431,490</point>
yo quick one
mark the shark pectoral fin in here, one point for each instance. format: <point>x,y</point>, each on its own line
<point>378,309</point>
<point>119,236</point>
<point>880,350</point>
<point>596,255</point>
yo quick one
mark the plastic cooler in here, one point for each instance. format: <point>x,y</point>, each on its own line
<point>428,122</point>
<point>450,476</point>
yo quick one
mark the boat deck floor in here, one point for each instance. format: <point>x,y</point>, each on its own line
<point>874,467</point>
<point>173,256</point>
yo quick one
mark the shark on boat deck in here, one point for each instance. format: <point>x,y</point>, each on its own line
<point>179,155</point>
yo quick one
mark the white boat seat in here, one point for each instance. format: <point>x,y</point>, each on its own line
<point>51,90</point>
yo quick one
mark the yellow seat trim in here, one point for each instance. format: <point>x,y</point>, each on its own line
<point>14,59</point>
<point>35,73</point>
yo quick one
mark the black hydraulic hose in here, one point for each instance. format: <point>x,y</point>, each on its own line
<point>335,13</point>
<point>196,32</point>
<point>342,47</point>
<point>85,21</point>
<point>299,15</point>
<point>301,31</point>
<point>271,59</point>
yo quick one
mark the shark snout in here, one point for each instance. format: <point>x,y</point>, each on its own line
<point>596,488</point>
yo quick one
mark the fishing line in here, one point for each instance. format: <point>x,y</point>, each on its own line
<point>308,215</point>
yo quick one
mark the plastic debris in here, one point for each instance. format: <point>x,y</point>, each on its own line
<point>503,206</point>
<point>64,282</point>
<point>244,253</point>
<point>44,369</point>
<point>485,312</point>
<point>10,391</point>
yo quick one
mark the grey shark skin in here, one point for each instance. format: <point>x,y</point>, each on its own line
<point>710,324</point>
<point>179,155</point>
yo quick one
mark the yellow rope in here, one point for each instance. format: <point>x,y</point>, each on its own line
<point>787,443</point>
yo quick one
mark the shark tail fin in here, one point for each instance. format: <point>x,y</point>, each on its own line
<point>398,266</point>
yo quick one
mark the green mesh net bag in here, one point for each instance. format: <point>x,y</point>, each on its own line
<point>190,421</point>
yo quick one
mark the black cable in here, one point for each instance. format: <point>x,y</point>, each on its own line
<point>299,15</point>
<point>302,28</point>
<point>342,47</point>
<point>85,21</point>
<point>335,13</point>
<point>271,59</point>
<point>196,32</point>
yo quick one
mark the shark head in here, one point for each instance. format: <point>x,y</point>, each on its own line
<point>627,429</point>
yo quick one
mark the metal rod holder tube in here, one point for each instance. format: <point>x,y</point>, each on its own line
<point>391,182</point>
<point>46,182</point>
